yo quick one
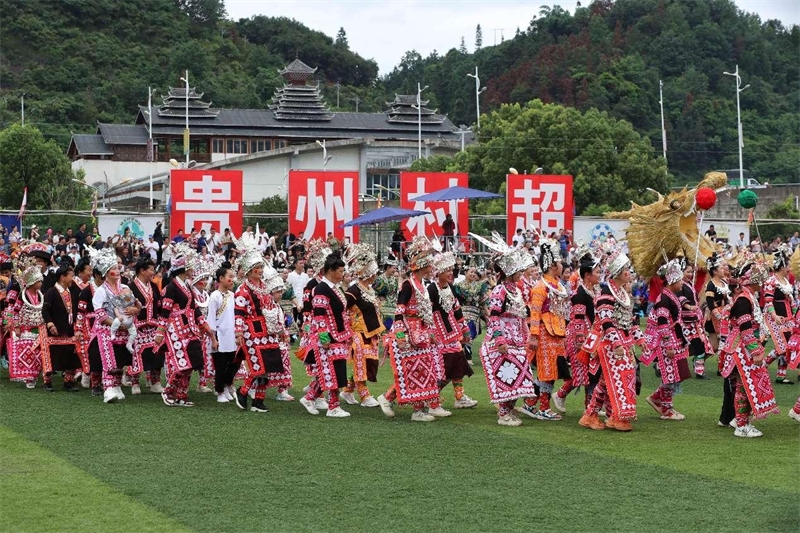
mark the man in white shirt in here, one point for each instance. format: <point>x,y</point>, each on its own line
<point>152,248</point>
<point>263,241</point>
<point>212,241</point>
<point>74,255</point>
<point>298,279</point>
<point>519,239</point>
<point>221,322</point>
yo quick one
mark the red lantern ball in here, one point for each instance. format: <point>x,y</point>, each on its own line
<point>705,198</point>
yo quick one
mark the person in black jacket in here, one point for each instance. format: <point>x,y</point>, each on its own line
<point>59,311</point>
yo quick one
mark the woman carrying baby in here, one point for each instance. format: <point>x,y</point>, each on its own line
<point>112,350</point>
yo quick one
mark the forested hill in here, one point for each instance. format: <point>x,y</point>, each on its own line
<point>81,61</point>
<point>611,55</point>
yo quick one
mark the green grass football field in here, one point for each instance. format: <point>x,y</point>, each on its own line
<point>70,463</point>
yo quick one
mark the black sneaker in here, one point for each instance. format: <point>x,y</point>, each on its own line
<point>779,381</point>
<point>259,407</point>
<point>48,386</point>
<point>97,391</point>
<point>241,399</point>
<point>700,376</point>
<point>69,386</point>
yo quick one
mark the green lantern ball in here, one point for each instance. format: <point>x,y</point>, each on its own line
<point>748,199</point>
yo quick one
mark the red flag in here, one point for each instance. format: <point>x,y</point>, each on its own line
<point>24,203</point>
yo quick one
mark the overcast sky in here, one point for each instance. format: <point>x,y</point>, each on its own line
<point>385,29</point>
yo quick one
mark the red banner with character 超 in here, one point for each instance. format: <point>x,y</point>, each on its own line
<point>321,201</point>
<point>205,199</point>
<point>544,202</point>
<point>413,184</point>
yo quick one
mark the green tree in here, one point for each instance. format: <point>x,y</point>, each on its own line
<point>273,205</point>
<point>28,160</point>
<point>462,47</point>
<point>341,38</point>
<point>478,38</point>
<point>781,211</point>
<point>610,162</point>
<point>206,12</point>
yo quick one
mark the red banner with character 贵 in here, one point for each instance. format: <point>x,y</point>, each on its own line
<point>205,199</point>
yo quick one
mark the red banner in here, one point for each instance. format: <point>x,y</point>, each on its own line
<point>321,201</point>
<point>414,184</point>
<point>203,199</point>
<point>542,201</point>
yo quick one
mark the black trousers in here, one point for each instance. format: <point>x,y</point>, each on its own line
<point>225,369</point>
<point>728,413</point>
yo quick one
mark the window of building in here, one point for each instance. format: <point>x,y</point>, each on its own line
<point>260,145</point>
<point>385,185</point>
<point>280,144</point>
<point>218,146</point>
<point>237,146</point>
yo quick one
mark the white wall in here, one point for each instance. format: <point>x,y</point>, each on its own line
<point>117,171</point>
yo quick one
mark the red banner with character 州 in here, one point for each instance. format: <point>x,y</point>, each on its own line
<point>321,201</point>
<point>541,201</point>
<point>202,199</point>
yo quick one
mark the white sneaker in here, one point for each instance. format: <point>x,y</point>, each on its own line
<point>169,402</point>
<point>732,423</point>
<point>548,416</point>
<point>309,405</point>
<point>136,389</point>
<point>560,403</point>
<point>30,384</point>
<point>86,381</point>
<point>421,416</point>
<point>747,431</point>
<point>222,398</point>
<point>527,410</point>
<point>126,380</point>
<point>321,403</point>
<point>465,402</point>
<point>109,396</point>
<point>284,396</point>
<point>672,414</point>
<point>439,412</point>
<point>205,389</point>
<point>349,398</point>
<point>119,393</point>
<point>230,394</point>
<point>337,412</point>
<point>794,415</point>
<point>369,401</point>
<point>509,420</point>
<point>156,388</point>
<point>386,406</point>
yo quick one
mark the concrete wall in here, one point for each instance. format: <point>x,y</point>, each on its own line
<point>728,208</point>
<point>117,171</point>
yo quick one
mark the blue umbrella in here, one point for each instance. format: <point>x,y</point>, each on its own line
<point>455,193</point>
<point>384,214</point>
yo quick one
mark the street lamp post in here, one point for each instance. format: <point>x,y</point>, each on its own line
<point>419,119</point>
<point>478,92</point>
<point>150,140</point>
<point>186,133</point>
<point>462,130</point>
<point>739,89</point>
<point>663,129</point>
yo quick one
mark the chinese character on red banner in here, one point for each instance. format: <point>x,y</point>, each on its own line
<point>321,201</point>
<point>203,199</point>
<point>542,201</point>
<point>413,184</point>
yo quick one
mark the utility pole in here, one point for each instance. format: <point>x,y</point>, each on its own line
<point>357,100</point>
<point>338,86</point>
<point>150,157</point>
<point>495,30</point>
<point>186,131</point>
<point>22,107</point>
<point>739,89</point>
<point>663,129</point>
